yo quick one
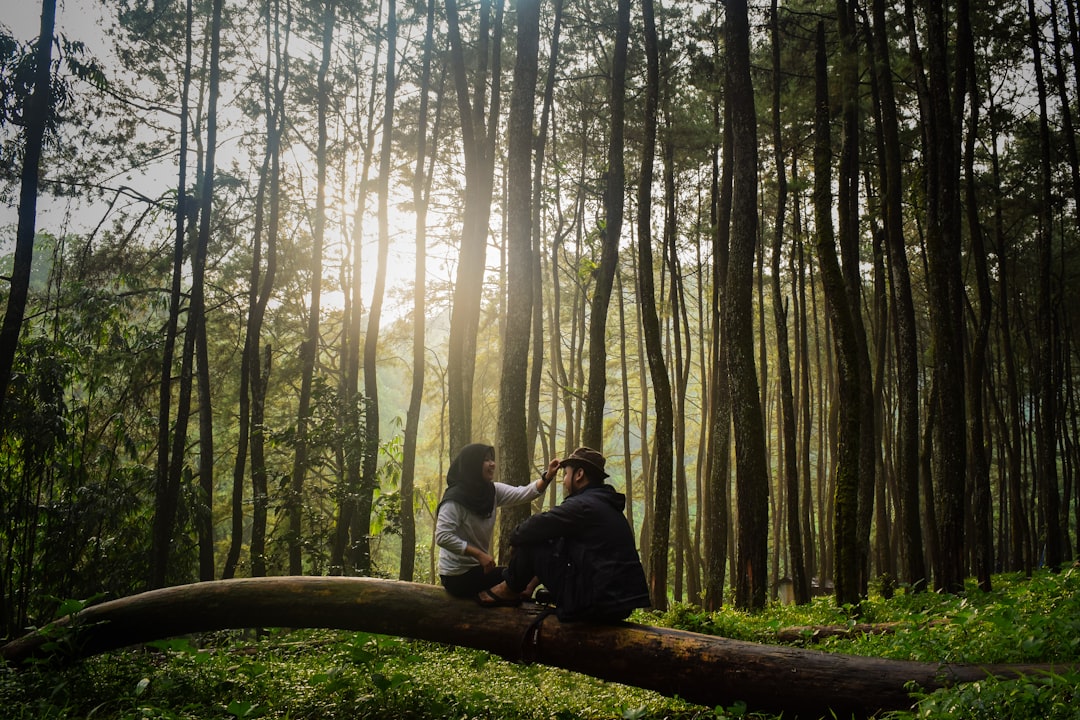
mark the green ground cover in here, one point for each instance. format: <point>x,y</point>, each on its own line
<point>330,675</point>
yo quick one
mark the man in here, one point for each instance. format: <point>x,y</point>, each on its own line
<point>582,551</point>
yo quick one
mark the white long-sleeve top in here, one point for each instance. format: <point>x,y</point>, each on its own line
<point>457,527</point>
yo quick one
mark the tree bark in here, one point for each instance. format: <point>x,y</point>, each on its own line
<point>789,464</point>
<point>164,502</point>
<point>660,528</point>
<point>592,433</point>
<point>341,562</point>
<point>38,113</point>
<point>847,198</point>
<point>309,348</point>
<point>421,192</point>
<point>1046,416</point>
<point>946,308</point>
<point>845,532</point>
<point>751,481</point>
<point>359,528</point>
<point>512,435</point>
<point>907,369</point>
<point>478,142</point>
<point>699,668</point>
<point>716,501</point>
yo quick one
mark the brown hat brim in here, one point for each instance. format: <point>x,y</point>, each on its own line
<point>593,468</point>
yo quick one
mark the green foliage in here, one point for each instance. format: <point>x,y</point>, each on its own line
<point>326,674</point>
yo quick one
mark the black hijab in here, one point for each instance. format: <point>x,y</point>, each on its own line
<point>465,483</point>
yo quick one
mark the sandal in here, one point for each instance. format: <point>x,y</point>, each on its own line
<point>486,598</point>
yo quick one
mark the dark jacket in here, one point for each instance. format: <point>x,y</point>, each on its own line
<point>593,568</point>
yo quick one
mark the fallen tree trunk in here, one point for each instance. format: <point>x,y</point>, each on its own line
<point>700,668</point>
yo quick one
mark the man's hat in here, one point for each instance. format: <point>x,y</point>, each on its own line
<point>587,458</point>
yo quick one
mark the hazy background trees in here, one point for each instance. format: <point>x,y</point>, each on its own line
<point>804,271</point>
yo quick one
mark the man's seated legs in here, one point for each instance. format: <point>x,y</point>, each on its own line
<point>528,567</point>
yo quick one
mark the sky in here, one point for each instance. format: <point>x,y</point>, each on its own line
<point>79,20</point>
<point>76,19</point>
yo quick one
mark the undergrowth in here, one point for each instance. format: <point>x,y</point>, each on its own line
<point>328,674</point>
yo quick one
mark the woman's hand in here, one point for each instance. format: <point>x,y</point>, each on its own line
<point>551,471</point>
<point>487,563</point>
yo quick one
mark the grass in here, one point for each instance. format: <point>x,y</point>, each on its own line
<point>326,674</point>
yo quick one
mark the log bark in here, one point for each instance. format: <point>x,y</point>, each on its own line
<point>700,668</point>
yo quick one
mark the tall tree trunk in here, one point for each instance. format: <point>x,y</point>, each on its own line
<point>479,149</point>
<point>38,112</point>
<point>196,317</point>
<point>421,192</point>
<point>539,344</point>
<point>164,497</point>
<point>979,471</point>
<point>309,349</point>
<point>848,237</point>
<point>845,537</point>
<point>716,501</point>
<point>1069,134</point>
<point>1046,415</point>
<point>907,371</point>
<point>789,465</point>
<point>751,481</point>
<point>946,301</point>
<point>659,539</point>
<point>628,465</point>
<point>513,440</point>
<point>351,414</point>
<point>1018,558</point>
<point>197,314</point>
<point>260,371</point>
<point>802,363</point>
<point>593,429</point>
<point>369,482</point>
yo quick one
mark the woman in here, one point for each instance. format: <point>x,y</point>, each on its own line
<point>466,520</point>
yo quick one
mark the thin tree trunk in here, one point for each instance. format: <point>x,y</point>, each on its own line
<point>360,526</point>
<point>342,555</point>
<point>513,440</point>
<point>628,464</point>
<point>716,501</point>
<point>196,316</point>
<point>979,471</point>
<point>848,237</point>
<point>946,309</point>
<point>659,538</point>
<point>164,498</point>
<point>906,343</point>
<point>539,342</point>
<point>260,373</point>
<point>593,429</point>
<point>840,316</point>
<point>38,113</point>
<point>789,465</point>
<point>309,349</point>
<point>421,192</point>
<point>1046,417</point>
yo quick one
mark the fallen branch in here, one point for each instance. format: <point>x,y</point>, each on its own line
<point>700,668</point>
<point>804,634</point>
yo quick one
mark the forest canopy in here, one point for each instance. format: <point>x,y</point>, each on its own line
<point>805,272</point>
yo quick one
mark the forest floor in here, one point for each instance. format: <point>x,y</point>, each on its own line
<point>330,674</point>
